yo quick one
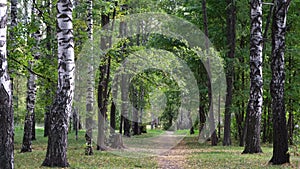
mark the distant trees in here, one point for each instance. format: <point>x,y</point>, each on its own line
<point>59,116</point>
<point>6,109</point>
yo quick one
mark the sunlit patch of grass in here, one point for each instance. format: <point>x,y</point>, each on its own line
<point>219,157</point>
<point>76,156</point>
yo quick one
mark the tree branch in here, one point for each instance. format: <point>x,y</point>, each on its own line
<point>31,71</point>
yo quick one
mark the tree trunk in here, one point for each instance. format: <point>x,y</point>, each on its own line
<point>142,127</point>
<point>6,110</point>
<point>29,128</point>
<point>280,133</point>
<point>124,122</point>
<point>90,89</point>
<point>103,86</point>
<point>31,96</point>
<point>59,116</point>
<point>214,138</point>
<point>33,136</point>
<point>124,105</point>
<point>75,115</point>
<point>49,34</point>
<point>253,119</point>
<point>231,20</point>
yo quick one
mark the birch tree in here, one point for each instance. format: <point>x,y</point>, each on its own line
<point>253,118</point>
<point>59,116</point>
<point>29,126</point>
<point>90,89</point>
<point>6,112</point>
<point>280,137</point>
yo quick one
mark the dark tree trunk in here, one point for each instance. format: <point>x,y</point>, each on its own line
<point>124,106</point>
<point>33,136</point>
<point>46,121</point>
<point>253,119</point>
<point>202,119</point>
<point>75,121</point>
<point>240,118</point>
<point>103,86</point>
<point>264,132</point>
<point>121,124</point>
<point>57,139</point>
<point>142,127</point>
<point>26,145</point>
<point>113,117</point>
<point>6,119</point>
<point>135,113</point>
<point>280,133</point>
<point>231,20</point>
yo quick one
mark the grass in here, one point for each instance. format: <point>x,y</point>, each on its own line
<point>197,155</point>
<point>76,156</point>
<point>219,157</point>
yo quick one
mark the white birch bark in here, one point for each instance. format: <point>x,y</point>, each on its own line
<point>6,113</point>
<point>252,144</point>
<point>61,110</point>
<point>90,88</point>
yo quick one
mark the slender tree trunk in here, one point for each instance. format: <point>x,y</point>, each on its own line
<point>214,138</point>
<point>103,86</point>
<point>241,114</point>
<point>29,126</point>
<point>256,84</point>
<point>59,116</point>
<point>142,128</point>
<point>6,110</point>
<point>50,55</point>
<point>124,105</point>
<point>124,123</point>
<point>31,96</point>
<point>280,133</point>
<point>135,112</point>
<point>231,20</point>
<point>90,89</point>
<point>264,132</point>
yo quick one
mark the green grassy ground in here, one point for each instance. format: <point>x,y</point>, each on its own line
<point>76,156</point>
<point>220,157</point>
<point>197,155</point>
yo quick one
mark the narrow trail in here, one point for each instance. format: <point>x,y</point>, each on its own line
<point>175,158</point>
<point>168,148</point>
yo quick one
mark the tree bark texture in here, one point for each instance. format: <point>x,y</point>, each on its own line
<point>59,116</point>
<point>30,100</point>
<point>231,22</point>
<point>6,111</point>
<point>103,87</point>
<point>90,89</point>
<point>280,133</point>
<point>253,120</point>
